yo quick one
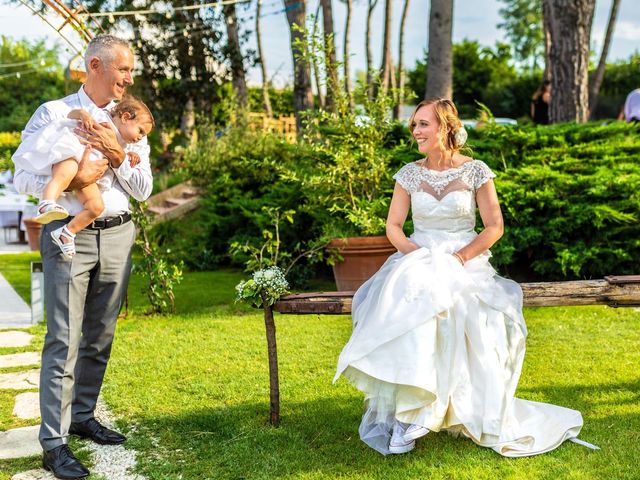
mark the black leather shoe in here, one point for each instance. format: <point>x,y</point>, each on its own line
<point>93,430</point>
<point>63,464</point>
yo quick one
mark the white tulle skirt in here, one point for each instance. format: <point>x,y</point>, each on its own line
<point>50,145</point>
<point>441,345</point>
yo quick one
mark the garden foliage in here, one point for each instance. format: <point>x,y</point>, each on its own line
<point>9,142</point>
<point>569,194</point>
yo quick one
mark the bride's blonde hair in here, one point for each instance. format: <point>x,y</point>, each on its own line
<point>448,119</point>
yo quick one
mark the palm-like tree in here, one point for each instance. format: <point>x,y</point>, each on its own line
<point>400,98</point>
<point>440,54</point>
<point>266,101</point>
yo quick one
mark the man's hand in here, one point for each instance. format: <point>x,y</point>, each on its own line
<point>103,138</point>
<point>89,171</point>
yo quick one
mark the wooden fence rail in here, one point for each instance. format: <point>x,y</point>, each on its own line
<point>615,291</point>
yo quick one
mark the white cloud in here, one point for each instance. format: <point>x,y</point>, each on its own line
<point>626,30</point>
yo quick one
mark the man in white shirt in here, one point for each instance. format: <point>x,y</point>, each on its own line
<point>84,294</point>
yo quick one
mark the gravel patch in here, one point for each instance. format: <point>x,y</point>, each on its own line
<point>112,461</point>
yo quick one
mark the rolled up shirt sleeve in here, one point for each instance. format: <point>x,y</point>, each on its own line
<point>138,180</point>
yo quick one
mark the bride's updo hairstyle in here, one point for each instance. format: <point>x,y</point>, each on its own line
<point>452,133</point>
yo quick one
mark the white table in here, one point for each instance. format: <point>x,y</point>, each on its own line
<point>13,208</point>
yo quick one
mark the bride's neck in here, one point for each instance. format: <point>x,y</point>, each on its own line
<point>437,160</point>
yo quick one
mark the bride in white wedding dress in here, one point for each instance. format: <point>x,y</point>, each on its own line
<point>438,338</point>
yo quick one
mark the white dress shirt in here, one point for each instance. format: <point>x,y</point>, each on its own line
<point>136,181</point>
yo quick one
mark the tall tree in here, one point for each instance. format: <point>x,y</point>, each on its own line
<point>598,75</point>
<point>522,23</point>
<point>440,54</point>
<point>314,58</point>
<point>235,55</point>
<point>403,21</point>
<point>183,54</point>
<point>30,74</point>
<point>345,52</point>
<point>329,54</point>
<point>386,65</point>
<point>371,5</point>
<point>266,101</point>
<point>569,28</point>
<point>302,93</point>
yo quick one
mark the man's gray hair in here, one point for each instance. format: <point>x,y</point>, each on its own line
<point>102,46</point>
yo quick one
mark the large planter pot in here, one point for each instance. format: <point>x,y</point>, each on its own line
<point>33,233</point>
<point>363,256</point>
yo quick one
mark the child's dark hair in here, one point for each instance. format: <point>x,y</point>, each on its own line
<point>134,107</point>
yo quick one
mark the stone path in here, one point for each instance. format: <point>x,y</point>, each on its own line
<point>19,359</point>
<point>20,380</point>
<point>27,405</point>
<point>14,312</point>
<point>15,339</point>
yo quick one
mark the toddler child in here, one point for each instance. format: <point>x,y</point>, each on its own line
<point>55,150</point>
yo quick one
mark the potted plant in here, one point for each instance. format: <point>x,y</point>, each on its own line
<point>352,186</point>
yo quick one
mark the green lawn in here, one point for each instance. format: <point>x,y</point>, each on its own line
<point>192,391</point>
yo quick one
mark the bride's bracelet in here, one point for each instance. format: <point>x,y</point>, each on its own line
<point>459,257</point>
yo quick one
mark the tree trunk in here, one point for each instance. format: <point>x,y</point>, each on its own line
<point>569,28</point>
<point>440,56</point>
<point>385,66</point>
<point>400,98</point>
<point>345,55</point>
<point>370,87</point>
<point>598,76</point>
<point>266,101</point>
<point>314,59</point>
<point>302,94</point>
<point>272,350</point>
<point>547,47</point>
<point>329,54</point>
<point>235,55</point>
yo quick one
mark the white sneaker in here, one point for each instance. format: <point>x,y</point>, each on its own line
<point>398,443</point>
<point>414,432</point>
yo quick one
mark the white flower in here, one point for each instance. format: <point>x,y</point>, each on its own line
<point>461,136</point>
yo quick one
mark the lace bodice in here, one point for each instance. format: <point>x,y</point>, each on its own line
<point>444,200</point>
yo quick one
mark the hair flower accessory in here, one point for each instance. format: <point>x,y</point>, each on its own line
<point>461,136</point>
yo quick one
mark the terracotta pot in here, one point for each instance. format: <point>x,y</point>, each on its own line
<point>363,256</point>
<point>33,233</point>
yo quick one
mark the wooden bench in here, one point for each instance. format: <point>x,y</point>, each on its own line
<point>614,291</point>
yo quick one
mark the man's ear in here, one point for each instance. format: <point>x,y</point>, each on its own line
<point>94,63</point>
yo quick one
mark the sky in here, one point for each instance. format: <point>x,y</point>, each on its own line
<point>473,19</point>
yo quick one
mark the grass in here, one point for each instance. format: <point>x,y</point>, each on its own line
<point>191,390</point>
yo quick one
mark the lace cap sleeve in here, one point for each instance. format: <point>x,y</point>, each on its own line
<point>407,178</point>
<point>482,174</point>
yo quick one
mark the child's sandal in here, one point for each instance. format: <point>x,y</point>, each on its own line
<point>48,211</point>
<point>68,249</point>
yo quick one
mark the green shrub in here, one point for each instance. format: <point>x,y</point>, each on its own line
<point>9,141</point>
<point>569,194</point>
<point>570,197</point>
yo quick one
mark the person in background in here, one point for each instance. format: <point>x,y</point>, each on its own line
<point>540,104</point>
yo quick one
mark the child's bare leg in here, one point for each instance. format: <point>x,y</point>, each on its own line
<point>62,174</point>
<point>65,236</point>
<point>93,206</point>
